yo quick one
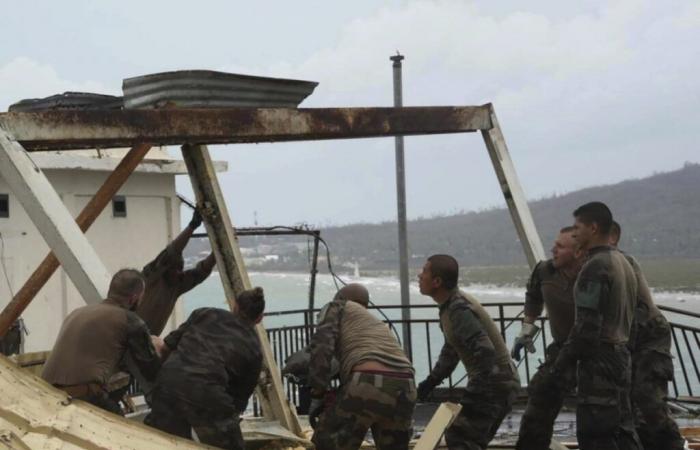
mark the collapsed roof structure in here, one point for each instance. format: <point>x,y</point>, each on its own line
<point>193,118</point>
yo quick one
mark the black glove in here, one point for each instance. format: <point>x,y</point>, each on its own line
<point>425,387</point>
<point>196,220</point>
<point>524,340</point>
<point>315,410</point>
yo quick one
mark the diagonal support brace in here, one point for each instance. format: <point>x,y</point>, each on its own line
<point>234,276</point>
<point>513,191</point>
<point>52,219</point>
<point>85,219</point>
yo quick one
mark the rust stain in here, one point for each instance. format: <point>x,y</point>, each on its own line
<point>174,126</point>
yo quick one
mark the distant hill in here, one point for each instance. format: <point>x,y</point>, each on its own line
<point>660,217</point>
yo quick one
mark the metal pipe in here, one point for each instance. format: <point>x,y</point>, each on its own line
<point>87,217</point>
<point>401,211</point>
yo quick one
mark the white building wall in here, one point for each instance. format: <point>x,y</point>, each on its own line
<point>152,221</point>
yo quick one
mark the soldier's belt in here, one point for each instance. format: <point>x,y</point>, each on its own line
<point>387,373</point>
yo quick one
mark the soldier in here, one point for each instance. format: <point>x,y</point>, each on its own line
<point>605,295</point>
<point>652,366</point>
<point>211,371</point>
<point>166,280</point>
<point>472,337</point>
<point>377,388</point>
<point>94,339</point>
<point>551,285</point>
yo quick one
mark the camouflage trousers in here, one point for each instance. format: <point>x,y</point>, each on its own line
<point>483,410</point>
<point>214,426</point>
<point>545,399</point>
<point>604,419</point>
<point>381,403</point>
<point>651,372</point>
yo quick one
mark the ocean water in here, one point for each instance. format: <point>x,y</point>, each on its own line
<point>290,291</point>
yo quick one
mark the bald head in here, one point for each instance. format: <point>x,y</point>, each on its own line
<point>354,292</point>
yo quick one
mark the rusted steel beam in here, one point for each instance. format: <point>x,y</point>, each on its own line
<point>87,217</point>
<point>55,130</point>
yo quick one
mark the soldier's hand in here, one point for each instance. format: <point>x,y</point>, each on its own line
<point>524,340</point>
<point>425,387</point>
<point>315,410</point>
<point>196,220</point>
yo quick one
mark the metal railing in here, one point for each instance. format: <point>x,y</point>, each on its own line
<point>426,342</point>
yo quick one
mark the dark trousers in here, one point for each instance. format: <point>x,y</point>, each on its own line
<point>651,373</point>
<point>482,412</point>
<point>546,396</point>
<point>604,418</point>
<point>214,426</point>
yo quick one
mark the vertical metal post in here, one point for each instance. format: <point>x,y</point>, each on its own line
<point>401,211</point>
<point>312,282</point>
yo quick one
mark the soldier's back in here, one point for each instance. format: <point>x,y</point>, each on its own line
<point>91,342</point>
<point>216,350</point>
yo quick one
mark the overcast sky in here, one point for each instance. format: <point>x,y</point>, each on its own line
<point>585,94</point>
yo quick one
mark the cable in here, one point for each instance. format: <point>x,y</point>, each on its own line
<point>334,276</point>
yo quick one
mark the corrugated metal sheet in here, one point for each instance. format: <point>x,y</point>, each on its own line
<point>68,100</point>
<point>210,89</point>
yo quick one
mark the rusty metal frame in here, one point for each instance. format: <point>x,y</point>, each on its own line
<point>65,130</point>
<point>194,128</point>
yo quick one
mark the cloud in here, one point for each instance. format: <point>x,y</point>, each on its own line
<point>23,78</point>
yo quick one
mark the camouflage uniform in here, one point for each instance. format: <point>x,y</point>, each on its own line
<point>553,289</point>
<point>382,400</point>
<point>493,383</point>
<point>206,381</point>
<point>606,296</point>
<point>652,369</point>
<point>90,346</point>
<point>162,290</point>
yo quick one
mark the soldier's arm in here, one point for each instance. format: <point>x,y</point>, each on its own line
<point>139,345</point>
<point>199,273</point>
<point>534,302</point>
<point>470,335</point>
<point>323,345</point>
<point>244,385</point>
<point>592,290</point>
<point>446,363</point>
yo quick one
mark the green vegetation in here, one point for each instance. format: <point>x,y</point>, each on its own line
<point>659,216</point>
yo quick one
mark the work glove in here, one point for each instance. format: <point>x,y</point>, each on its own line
<point>315,410</point>
<point>425,387</point>
<point>196,220</point>
<point>524,340</point>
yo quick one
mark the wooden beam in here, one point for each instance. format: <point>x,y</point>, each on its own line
<point>441,420</point>
<point>234,276</point>
<point>54,130</point>
<point>50,216</point>
<point>513,192</point>
<point>86,218</point>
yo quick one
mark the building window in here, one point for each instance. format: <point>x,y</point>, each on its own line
<point>4,205</point>
<point>119,206</point>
